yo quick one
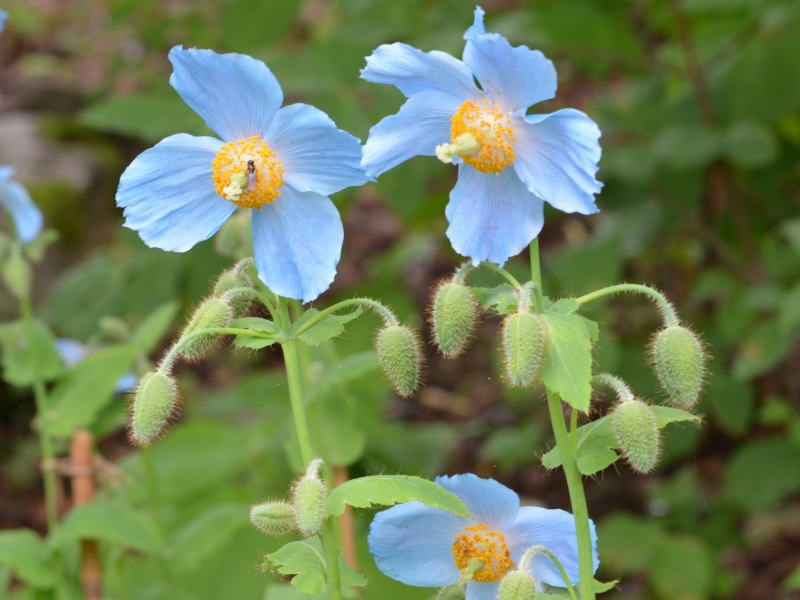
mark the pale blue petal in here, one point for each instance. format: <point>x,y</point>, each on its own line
<point>422,123</point>
<point>6,173</point>
<point>26,216</point>
<point>489,501</point>
<point>515,77</point>
<point>3,17</point>
<point>414,71</point>
<point>236,95</point>
<point>477,27</point>
<point>71,351</point>
<point>555,530</point>
<point>557,156</point>
<point>297,243</point>
<point>492,217</point>
<point>316,155</point>
<point>125,383</point>
<point>413,543</point>
<point>482,590</point>
<point>168,193</point>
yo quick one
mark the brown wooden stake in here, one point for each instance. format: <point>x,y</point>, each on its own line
<point>346,521</point>
<point>83,484</point>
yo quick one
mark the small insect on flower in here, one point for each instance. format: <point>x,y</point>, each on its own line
<point>280,163</point>
<point>424,546</point>
<point>509,163</point>
<point>14,198</point>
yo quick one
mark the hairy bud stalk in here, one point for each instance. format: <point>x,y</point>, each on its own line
<point>523,342</point>
<point>517,585</point>
<point>453,315</point>
<point>274,518</point>
<point>636,429</point>
<point>679,362</point>
<point>153,405</point>
<point>231,280</point>
<point>400,357</point>
<point>309,495</point>
<point>212,312</point>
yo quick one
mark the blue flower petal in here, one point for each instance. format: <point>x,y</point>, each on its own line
<point>6,173</point>
<point>555,530</point>
<point>422,123</point>
<point>126,383</point>
<point>316,155</point>
<point>482,590</point>
<point>414,71</point>
<point>236,95</point>
<point>26,216</point>
<point>168,193</point>
<point>297,243</point>
<point>413,543</point>
<point>489,501</point>
<point>3,17</point>
<point>514,77</point>
<point>71,351</point>
<point>557,156</point>
<point>492,217</point>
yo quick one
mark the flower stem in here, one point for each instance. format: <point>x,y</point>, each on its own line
<point>568,449</point>
<point>668,313</point>
<point>384,312</point>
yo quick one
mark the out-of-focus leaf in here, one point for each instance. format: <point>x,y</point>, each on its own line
<point>29,352</point>
<point>154,326</point>
<point>112,522</point>
<point>27,556</point>
<point>749,145</point>
<point>761,473</point>
<point>208,533</point>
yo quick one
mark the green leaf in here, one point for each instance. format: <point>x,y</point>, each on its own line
<point>567,367</point>
<point>329,327</point>
<point>154,326</point>
<point>256,324</point>
<point>256,342</point>
<point>26,554</point>
<point>761,473</point>
<point>750,145</point>
<point>29,353</point>
<point>87,389</point>
<point>348,369</point>
<point>386,490</point>
<point>667,414</point>
<point>109,522</point>
<point>202,537</point>
<point>253,342</point>
<point>501,299</point>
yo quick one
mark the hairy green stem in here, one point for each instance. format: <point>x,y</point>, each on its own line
<point>531,553</point>
<point>165,366</point>
<point>503,273</point>
<point>668,314</point>
<point>620,388</point>
<point>383,311</point>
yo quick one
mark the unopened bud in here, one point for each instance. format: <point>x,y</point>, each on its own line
<point>523,347</point>
<point>636,429</point>
<point>679,362</point>
<point>212,313</point>
<point>230,280</point>
<point>399,356</point>
<point>452,592</point>
<point>454,313</point>
<point>153,405</point>
<point>517,585</point>
<point>274,518</point>
<point>309,496</point>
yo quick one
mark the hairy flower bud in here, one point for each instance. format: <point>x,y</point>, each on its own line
<point>453,315</point>
<point>230,280</point>
<point>153,405</point>
<point>679,362</point>
<point>636,429</point>
<point>274,518</point>
<point>523,347</point>
<point>517,585</point>
<point>309,496</point>
<point>399,356</point>
<point>212,312</point>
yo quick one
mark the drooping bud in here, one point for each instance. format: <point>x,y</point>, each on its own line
<point>636,429</point>
<point>452,592</point>
<point>453,315</point>
<point>274,518</point>
<point>153,405</point>
<point>517,585</point>
<point>523,341</point>
<point>212,312</point>
<point>309,495</point>
<point>230,280</point>
<point>679,362</point>
<point>399,356</point>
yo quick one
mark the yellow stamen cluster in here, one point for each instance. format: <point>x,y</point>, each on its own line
<point>488,547</point>
<point>243,183</point>
<point>491,127</point>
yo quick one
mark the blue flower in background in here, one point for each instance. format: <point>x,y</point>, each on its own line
<point>72,352</point>
<point>3,19</point>
<point>280,162</point>
<point>14,198</point>
<point>509,163</point>
<point>424,546</point>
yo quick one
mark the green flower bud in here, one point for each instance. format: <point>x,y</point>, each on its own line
<point>309,496</point>
<point>212,312</point>
<point>453,315</point>
<point>400,357</point>
<point>516,585</point>
<point>232,279</point>
<point>523,347</point>
<point>153,405</point>
<point>636,429</point>
<point>274,518</point>
<point>679,362</point>
<point>452,592</point>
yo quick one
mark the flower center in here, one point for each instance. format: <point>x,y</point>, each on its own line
<point>247,173</point>
<point>481,134</point>
<point>483,552</point>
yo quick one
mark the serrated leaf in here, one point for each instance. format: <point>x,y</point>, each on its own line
<point>253,342</point>
<point>567,366</point>
<point>109,522</point>
<point>330,326</point>
<point>153,327</point>
<point>202,537</point>
<point>26,554</point>
<point>565,306</point>
<point>387,490</point>
<point>667,414</point>
<point>29,353</point>
<point>306,562</point>
<point>256,324</point>
<point>502,299</point>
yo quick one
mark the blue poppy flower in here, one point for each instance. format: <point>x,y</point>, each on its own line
<point>424,546</point>
<point>509,163</point>
<point>282,163</point>
<point>15,199</point>
<point>3,18</point>
<point>72,352</point>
